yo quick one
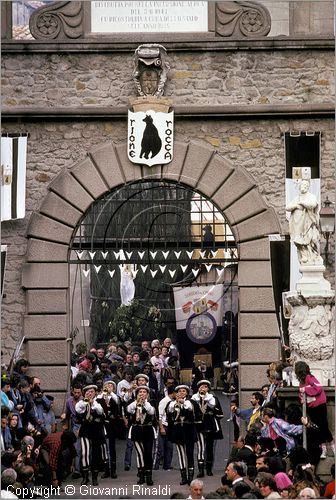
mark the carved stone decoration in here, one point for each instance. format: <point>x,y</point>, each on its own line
<point>150,69</point>
<point>57,21</point>
<point>242,19</point>
<point>311,333</point>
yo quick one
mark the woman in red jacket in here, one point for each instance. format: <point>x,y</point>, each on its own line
<point>316,404</point>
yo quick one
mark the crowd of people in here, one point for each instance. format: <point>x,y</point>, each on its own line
<point>134,393</point>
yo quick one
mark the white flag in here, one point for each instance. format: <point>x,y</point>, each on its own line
<point>13,177</point>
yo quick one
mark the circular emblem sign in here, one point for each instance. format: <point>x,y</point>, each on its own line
<point>201,328</point>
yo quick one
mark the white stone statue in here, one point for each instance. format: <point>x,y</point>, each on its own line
<point>304,225</point>
<point>127,287</point>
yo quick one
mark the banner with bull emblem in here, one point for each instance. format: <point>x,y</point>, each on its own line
<point>150,137</point>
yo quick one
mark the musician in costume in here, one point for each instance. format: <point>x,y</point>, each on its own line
<point>209,413</point>
<point>91,416</point>
<point>112,411</point>
<point>142,431</point>
<point>182,432</point>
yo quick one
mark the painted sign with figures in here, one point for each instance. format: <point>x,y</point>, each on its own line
<point>150,137</point>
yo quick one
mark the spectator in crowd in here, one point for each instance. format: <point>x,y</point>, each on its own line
<point>60,450</point>
<point>304,477</point>
<point>247,452</point>
<point>307,493</point>
<point>329,491</point>
<point>196,489</point>
<point>21,368</point>
<point>252,416</point>
<point>277,427</point>
<point>235,472</point>
<point>316,409</point>
<point>13,422</point>
<point>283,484</point>
<point>5,390</point>
<point>73,424</point>
<point>267,485</point>
<point>6,437</point>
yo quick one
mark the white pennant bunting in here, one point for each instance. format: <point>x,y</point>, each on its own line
<point>190,253</point>
<point>104,254</point>
<point>80,254</point>
<point>135,272</point>
<point>162,269</point>
<point>111,273</point>
<point>141,254</point>
<point>195,272</point>
<point>184,268</point>
<point>92,254</point>
<point>165,254</point>
<point>177,254</point>
<point>172,273</point>
<point>121,267</point>
<point>97,268</point>
<point>122,255</point>
<point>153,273</point>
<point>86,272</point>
<point>144,268</point>
<point>214,252</point>
<point>129,254</point>
<point>116,254</point>
<point>202,254</point>
<point>219,271</point>
<point>208,267</point>
<point>153,254</point>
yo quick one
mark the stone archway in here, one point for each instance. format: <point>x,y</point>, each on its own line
<point>46,274</point>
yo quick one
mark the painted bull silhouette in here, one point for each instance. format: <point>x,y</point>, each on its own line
<point>151,142</point>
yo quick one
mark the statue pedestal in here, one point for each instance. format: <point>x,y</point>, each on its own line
<point>311,332</point>
<point>312,281</point>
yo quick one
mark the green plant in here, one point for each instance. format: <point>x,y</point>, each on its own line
<point>135,322</point>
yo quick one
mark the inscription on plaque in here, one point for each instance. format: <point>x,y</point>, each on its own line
<point>149,17</point>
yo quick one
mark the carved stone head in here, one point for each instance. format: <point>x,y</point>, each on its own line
<point>151,69</point>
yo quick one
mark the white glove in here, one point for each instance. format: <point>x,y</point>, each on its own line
<point>187,405</point>
<point>131,408</point>
<point>97,407</point>
<point>209,398</point>
<point>171,407</point>
<point>81,406</point>
<point>149,408</point>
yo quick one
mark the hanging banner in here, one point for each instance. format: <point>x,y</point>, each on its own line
<point>13,177</point>
<point>199,311</point>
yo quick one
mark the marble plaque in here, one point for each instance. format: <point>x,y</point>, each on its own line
<point>149,17</point>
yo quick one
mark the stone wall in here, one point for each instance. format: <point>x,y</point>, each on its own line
<point>198,78</point>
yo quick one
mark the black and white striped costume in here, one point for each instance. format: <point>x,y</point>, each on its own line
<point>208,415</point>
<point>142,432</point>
<point>182,432</point>
<point>91,433</point>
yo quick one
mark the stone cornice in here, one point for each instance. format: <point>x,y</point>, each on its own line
<point>252,111</point>
<point>206,43</point>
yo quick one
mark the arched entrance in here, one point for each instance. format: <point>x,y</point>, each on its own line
<point>150,240</point>
<point>46,273</point>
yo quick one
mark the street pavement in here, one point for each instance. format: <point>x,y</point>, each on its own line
<point>165,482</point>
